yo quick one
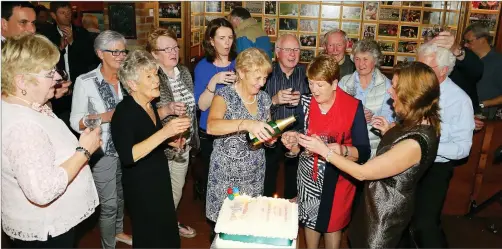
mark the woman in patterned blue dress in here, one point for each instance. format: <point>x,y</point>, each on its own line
<point>236,110</point>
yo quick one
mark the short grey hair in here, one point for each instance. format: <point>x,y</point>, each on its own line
<point>334,31</point>
<point>368,46</point>
<point>136,62</point>
<point>444,57</point>
<point>479,30</point>
<point>281,38</point>
<point>107,37</point>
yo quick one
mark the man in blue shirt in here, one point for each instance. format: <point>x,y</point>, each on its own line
<point>249,33</point>
<point>457,126</point>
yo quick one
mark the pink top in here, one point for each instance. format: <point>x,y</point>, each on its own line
<point>37,200</point>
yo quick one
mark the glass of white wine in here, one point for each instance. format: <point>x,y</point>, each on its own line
<point>92,120</point>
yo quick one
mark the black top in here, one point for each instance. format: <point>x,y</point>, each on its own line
<point>466,75</point>
<point>387,205</point>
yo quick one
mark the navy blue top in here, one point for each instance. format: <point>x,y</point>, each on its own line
<point>204,71</point>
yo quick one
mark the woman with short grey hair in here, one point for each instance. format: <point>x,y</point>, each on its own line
<point>96,94</point>
<point>369,85</point>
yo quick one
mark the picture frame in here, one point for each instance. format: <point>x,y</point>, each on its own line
<point>254,7</point>
<point>385,29</point>
<point>370,11</point>
<point>270,26</point>
<point>409,47</point>
<point>309,10</point>
<point>288,24</point>
<point>391,3</point>
<point>489,20</point>
<point>350,12</point>
<point>196,38</point>
<point>410,32</point>
<point>389,14</point>
<point>434,4</point>
<point>351,28</point>
<point>369,31</point>
<point>411,3</point>
<point>485,5</point>
<point>403,59</point>
<point>197,7</point>
<point>330,11</point>
<point>308,40</point>
<point>270,7</point>
<point>432,17</point>
<point>174,25</point>
<point>309,25</point>
<point>169,9</point>
<point>288,9</point>
<point>329,25</point>
<point>307,55</point>
<point>230,5</point>
<point>387,46</point>
<point>350,43</point>
<point>122,18</point>
<point>213,6</point>
<point>410,15</point>
<point>388,60</point>
<point>99,15</point>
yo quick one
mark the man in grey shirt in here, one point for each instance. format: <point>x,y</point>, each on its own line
<point>335,43</point>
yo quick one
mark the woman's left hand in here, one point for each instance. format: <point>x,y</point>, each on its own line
<point>313,144</point>
<point>178,143</point>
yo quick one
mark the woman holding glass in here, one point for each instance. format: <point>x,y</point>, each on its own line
<point>176,95</point>
<point>47,185</point>
<point>236,110</point>
<point>325,194</point>
<point>212,73</point>
<point>95,96</point>
<point>406,152</point>
<point>140,140</point>
<point>370,86</point>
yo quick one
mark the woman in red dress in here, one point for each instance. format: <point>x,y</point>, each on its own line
<point>325,194</point>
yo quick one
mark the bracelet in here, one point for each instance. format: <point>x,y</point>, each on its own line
<point>330,153</point>
<point>85,151</point>
<point>346,153</point>
<point>207,88</point>
<point>239,126</point>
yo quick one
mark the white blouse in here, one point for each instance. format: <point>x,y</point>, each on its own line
<point>37,200</point>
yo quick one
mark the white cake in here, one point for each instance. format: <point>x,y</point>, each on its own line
<point>261,222</point>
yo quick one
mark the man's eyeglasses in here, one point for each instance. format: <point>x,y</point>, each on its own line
<point>466,41</point>
<point>117,52</point>
<point>289,50</point>
<point>168,49</point>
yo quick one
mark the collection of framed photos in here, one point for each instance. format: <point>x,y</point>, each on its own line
<point>170,16</point>
<point>398,26</point>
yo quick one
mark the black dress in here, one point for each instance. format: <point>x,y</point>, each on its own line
<point>147,183</point>
<point>387,205</point>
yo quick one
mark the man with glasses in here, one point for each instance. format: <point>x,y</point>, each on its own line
<point>477,38</point>
<point>335,43</point>
<point>285,84</point>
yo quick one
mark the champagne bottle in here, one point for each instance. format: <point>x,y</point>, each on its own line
<point>278,126</point>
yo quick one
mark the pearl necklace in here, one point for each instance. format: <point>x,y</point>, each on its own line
<point>44,109</point>
<point>247,103</point>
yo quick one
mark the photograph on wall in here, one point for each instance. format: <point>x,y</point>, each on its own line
<point>213,6</point>
<point>351,42</point>
<point>196,39</point>
<point>308,40</point>
<point>254,7</point>
<point>369,31</point>
<point>270,26</point>
<point>230,5</point>
<point>175,26</point>
<point>270,7</point>
<point>258,20</point>
<point>407,47</point>
<point>329,25</point>
<point>411,3</point>
<point>489,20</point>
<point>288,24</point>
<point>434,4</point>
<point>351,28</point>
<point>309,10</point>
<point>122,18</point>
<point>391,3</point>
<point>408,32</point>
<point>351,12</point>
<point>405,59</point>
<point>387,46</point>
<point>485,5</point>
<point>210,18</point>
<point>288,9</point>
<point>370,10</point>
<point>99,16</point>
<point>388,60</point>
<point>387,14</point>
<point>330,11</point>
<point>197,6</point>
<point>307,55</point>
<point>387,29</point>
<point>308,25</point>
<point>410,16</point>
<point>170,10</point>
<point>432,17</point>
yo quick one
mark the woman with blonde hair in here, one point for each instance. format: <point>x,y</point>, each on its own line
<point>236,110</point>
<point>403,156</point>
<point>325,194</point>
<point>47,185</point>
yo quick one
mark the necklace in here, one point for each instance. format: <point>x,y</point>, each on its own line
<point>247,103</point>
<point>36,106</point>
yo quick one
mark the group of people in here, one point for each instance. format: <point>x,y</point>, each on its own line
<point>378,150</point>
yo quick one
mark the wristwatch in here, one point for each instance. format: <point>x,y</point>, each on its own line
<point>84,151</point>
<point>462,52</point>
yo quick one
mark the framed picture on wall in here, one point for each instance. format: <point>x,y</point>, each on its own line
<point>270,26</point>
<point>175,26</point>
<point>288,9</point>
<point>329,25</point>
<point>408,32</point>
<point>307,55</point>
<point>388,60</point>
<point>370,10</point>
<point>270,7</point>
<point>387,29</point>
<point>213,6</point>
<point>330,11</point>
<point>308,40</point>
<point>98,15</point>
<point>254,7</point>
<point>489,20</point>
<point>401,59</point>
<point>387,46</point>
<point>485,5</point>
<point>351,28</point>
<point>309,10</point>
<point>369,31</point>
<point>170,10</point>
<point>308,25</point>
<point>411,16</point>
<point>432,17</point>
<point>230,5</point>
<point>122,18</point>
<point>288,24</point>
<point>351,12</point>
<point>407,47</point>
<point>388,14</point>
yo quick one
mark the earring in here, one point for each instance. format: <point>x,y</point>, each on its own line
<point>23,92</point>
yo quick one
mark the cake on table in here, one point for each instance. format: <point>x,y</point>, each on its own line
<point>261,222</point>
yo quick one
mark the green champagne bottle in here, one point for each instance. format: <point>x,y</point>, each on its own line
<point>278,125</point>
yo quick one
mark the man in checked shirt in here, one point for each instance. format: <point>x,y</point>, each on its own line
<point>285,85</point>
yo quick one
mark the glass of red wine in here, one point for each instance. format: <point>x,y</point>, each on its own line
<point>64,77</point>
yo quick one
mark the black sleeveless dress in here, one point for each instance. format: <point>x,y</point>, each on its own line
<point>387,204</point>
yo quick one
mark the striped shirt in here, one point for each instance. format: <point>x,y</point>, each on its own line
<point>278,80</point>
<point>181,92</point>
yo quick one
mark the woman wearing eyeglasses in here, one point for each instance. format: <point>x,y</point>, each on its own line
<point>47,185</point>
<point>95,95</point>
<point>176,98</point>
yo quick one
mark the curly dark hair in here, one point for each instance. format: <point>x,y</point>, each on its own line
<point>209,50</point>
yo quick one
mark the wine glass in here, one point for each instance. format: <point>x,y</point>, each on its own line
<point>289,104</point>
<point>91,120</point>
<point>181,149</point>
<point>306,152</point>
<point>293,140</point>
<point>64,77</point>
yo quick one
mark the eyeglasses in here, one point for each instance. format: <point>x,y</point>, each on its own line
<point>168,49</point>
<point>466,41</point>
<point>49,75</point>
<point>117,52</point>
<point>289,50</point>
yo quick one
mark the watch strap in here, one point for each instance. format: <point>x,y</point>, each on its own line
<point>84,151</point>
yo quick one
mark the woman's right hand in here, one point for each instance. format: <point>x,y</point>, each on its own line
<point>177,126</point>
<point>381,124</point>
<point>261,130</point>
<point>285,139</point>
<point>227,77</point>
<point>91,140</point>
